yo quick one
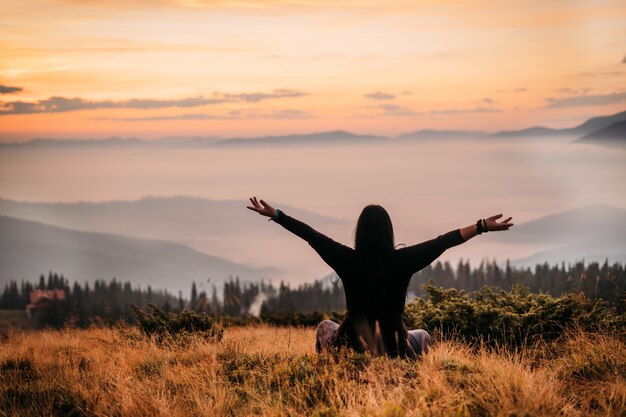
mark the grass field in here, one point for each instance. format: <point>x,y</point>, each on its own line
<point>262,370</point>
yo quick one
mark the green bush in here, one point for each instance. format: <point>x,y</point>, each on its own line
<point>508,318</point>
<point>176,326</point>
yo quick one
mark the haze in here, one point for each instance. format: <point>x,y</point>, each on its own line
<point>428,187</point>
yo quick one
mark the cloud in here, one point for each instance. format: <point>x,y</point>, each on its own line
<point>600,74</point>
<point>186,116</point>
<point>624,60</point>
<point>581,91</point>
<point>395,110</point>
<point>63,104</point>
<point>515,90</point>
<point>5,89</point>
<point>453,112</point>
<point>288,114</point>
<point>379,95</point>
<point>284,114</point>
<point>586,100</point>
<point>254,97</point>
<point>486,100</point>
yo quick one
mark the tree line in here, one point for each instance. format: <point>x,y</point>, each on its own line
<point>597,281</point>
<point>110,301</point>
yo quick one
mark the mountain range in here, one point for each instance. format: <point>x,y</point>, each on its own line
<point>224,229</point>
<point>603,130</point>
<point>167,242</point>
<point>611,135</point>
<point>587,128</point>
<point>173,218</point>
<point>592,233</point>
<point>28,249</point>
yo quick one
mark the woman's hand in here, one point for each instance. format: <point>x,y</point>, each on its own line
<point>263,208</point>
<point>494,226</point>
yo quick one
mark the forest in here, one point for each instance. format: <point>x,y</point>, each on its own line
<point>102,301</point>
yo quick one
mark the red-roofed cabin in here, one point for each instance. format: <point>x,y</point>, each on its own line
<point>40,300</point>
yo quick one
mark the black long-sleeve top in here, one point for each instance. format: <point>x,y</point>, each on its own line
<point>375,287</point>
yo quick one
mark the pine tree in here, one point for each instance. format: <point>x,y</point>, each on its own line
<point>193,303</point>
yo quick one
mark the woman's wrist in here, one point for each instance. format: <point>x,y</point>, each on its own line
<point>481,226</point>
<point>276,214</point>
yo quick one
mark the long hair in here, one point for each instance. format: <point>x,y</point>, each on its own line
<point>373,235</point>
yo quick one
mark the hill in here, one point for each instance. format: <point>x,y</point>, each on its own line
<point>589,126</point>
<point>594,232</point>
<point>335,137</point>
<point>531,132</point>
<point>426,134</point>
<point>176,218</point>
<point>611,248</point>
<point>571,226</point>
<point>29,248</point>
<point>612,135</point>
<point>318,138</point>
<point>598,123</point>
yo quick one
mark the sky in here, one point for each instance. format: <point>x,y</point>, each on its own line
<point>158,68</point>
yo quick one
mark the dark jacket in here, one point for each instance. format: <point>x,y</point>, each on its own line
<point>375,286</point>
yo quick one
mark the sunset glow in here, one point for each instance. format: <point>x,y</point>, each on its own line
<point>152,68</point>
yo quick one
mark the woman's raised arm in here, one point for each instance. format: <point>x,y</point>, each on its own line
<point>333,253</point>
<point>416,257</point>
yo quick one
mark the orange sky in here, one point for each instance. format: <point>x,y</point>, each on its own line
<point>154,68</point>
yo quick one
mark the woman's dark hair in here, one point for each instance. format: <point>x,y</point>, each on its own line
<point>374,232</point>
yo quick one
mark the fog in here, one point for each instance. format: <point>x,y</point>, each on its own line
<point>428,187</point>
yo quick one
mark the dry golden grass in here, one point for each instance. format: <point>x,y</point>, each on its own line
<point>264,370</point>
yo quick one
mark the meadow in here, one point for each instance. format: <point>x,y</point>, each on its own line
<point>274,371</point>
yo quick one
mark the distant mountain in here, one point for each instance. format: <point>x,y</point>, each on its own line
<point>115,142</point>
<point>593,232</point>
<point>537,131</point>
<point>171,218</point>
<point>28,249</point>
<point>597,123</point>
<point>335,137</point>
<point>326,138</point>
<point>591,125</point>
<point>79,143</point>
<point>427,134</point>
<point>569,227</point>
<point>611,248</point>
<point>614,134</point>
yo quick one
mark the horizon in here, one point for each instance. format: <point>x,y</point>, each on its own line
<point>244,200</point>
<point>481,134</point>
<point>241,69</point>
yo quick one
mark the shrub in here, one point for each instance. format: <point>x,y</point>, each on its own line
<point>176,327</point>
<point>508,318</point>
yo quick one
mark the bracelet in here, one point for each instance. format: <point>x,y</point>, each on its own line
<point>275,216</point>
<point>481,226</point>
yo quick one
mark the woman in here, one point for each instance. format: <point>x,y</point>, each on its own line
<point>375,278</point>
